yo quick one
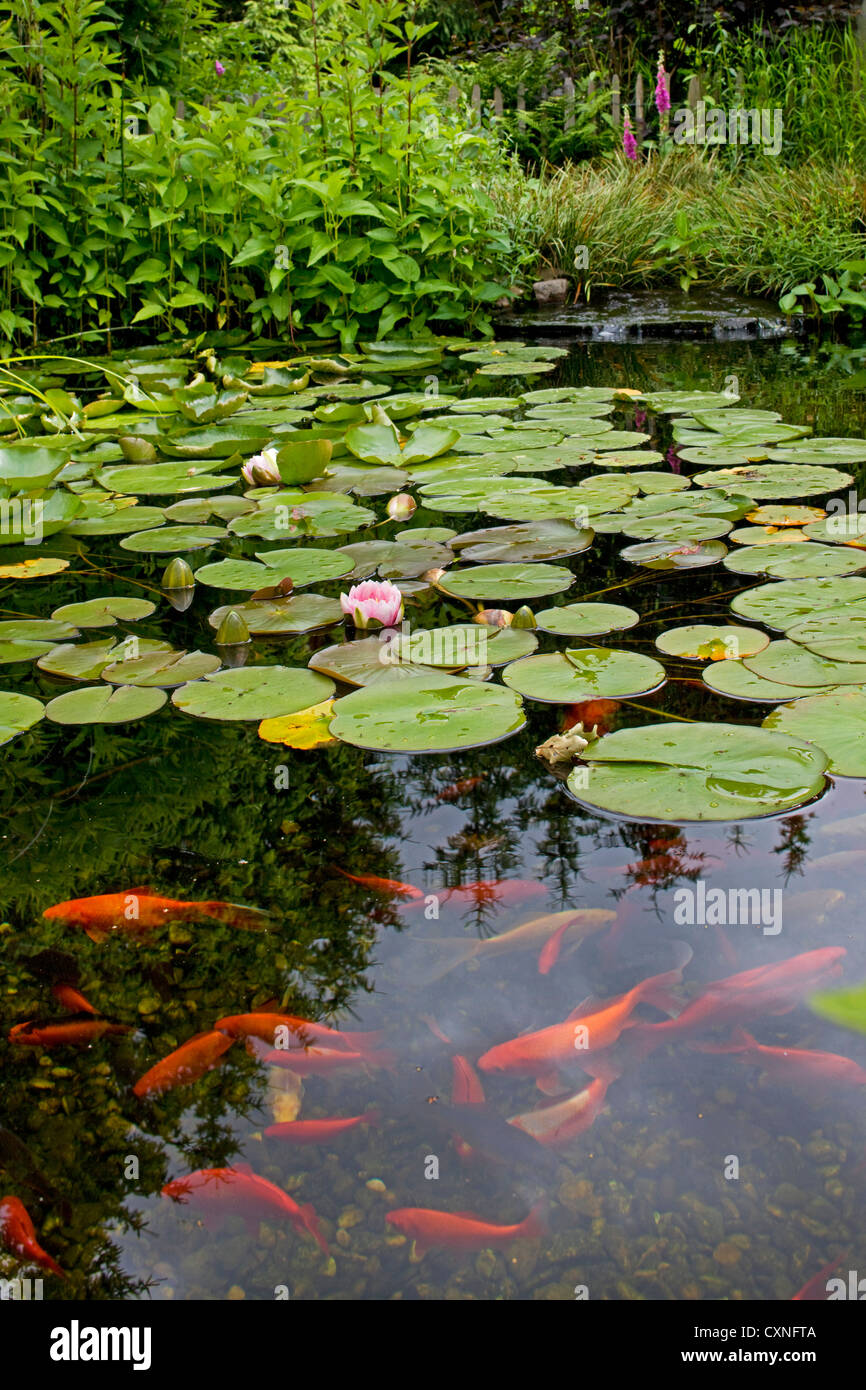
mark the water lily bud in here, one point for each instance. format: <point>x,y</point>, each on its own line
<point>493,617</point>
<point>232,631</point>
<point>261,470</point>
<point>401,507</point>
<point>524,617</point>
<point>135,449</point>
<point>178,575</point>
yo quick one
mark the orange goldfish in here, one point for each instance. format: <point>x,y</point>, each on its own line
<point>466,1088</point>
<point>556,1124</point>
<point>792,1064</point>
<point>66,1032</point>
<point>72,1000</point>
<point>461,1230</point>
<point>318,1131</point>
<point>18,1235</point>
<point>461,788</point>
<point>185,1065</point>
<point>292,1032</point>
<point>589,1028</point>
<point>768,989</point>
<point>572,926</point>
<point>815,1288</point>
<point>550,950</point>
<point>223,1190</point>
<point>138,911</point>
<point>391,886</point>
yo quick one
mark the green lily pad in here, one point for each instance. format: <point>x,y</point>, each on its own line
<point>290,514</point>
<point>834,722</point>
<point>586,619</point>
<point>109,519</point>
<point>684,402</point>
<point>173,539</point>
<point>668,555</point>
<point>484,403</point>
<point>584,673</point>
<point>697,772</point>
<point>708,642</point>
<point>790,664</point>
<point>276,617</point>
<point>396,559</point>
<point>776,480</point>
<point>162,669</point>
<point>86,661</point>
<point>844,1007</point>
<point>102,704</point>
<point>304,565</point>
<point>734,679</point>
<point>543,540</point>
<point>253,692</point>
<point>105,612</point>
<point>507,581</point>
<point>22,640</point>
<point>801,560</point>
<point>835,636</point>
<point>782,605</point>
<point>18,713</point>
<point>161,479</point>
<point>27,521</point>
<point>833,450</point>
<point>676,527</point>
<point>299,461</point>
<point>379,444</point>
<point>217,442</point>
<point>29,467</point>
<point>638,458</point>
<point>415,534</point>
<point>845,528</point>
<point>428,713</point>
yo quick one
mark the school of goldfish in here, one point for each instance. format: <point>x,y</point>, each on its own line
<point>573,1061</point>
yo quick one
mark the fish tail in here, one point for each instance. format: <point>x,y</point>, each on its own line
<point>311,1223</point>
<point>370,1117</point>
<point>362,1042</point>
<point>535,1223</point>
<point>448,952</point>
<point>235,915</point>
<point>655,989</point>
<point>52,1266</point>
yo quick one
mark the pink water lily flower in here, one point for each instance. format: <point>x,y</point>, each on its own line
<point>375,601</point>
<point>261,470</point>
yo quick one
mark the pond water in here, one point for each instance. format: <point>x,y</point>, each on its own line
<point>705,1174</point>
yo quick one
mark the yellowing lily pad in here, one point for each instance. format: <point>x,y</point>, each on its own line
<point>307,729</point>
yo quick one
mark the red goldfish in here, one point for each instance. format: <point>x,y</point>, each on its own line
<point>71,999</point>
<point>383,885</point>
<point>76,1032</point>
<point>590,1027</point>
<point>458,789</point>
<point>18,1235</point>
<point>591,713</point>
<point>466,1088</point>
<point>815,1288</point>
<point>296,1032</point>
<point>323,1061</point>
<point>558,1123</point>
<point>185,1065</point>
<point>318,1131</point>
<point>769,989</point>
<point>791,1064</point>
<point>222,1190</point>
<point>138,911</point>
<point>461,1230</point>
<point>550,950</point>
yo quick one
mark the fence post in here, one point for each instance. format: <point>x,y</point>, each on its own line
<point>180,109</point>
<point>568,87</point>
<point>694,95</point>
<point>476,101</point>
<point>497,101</point>
<point>521,107</point>
<point>615,111</point>
<point>453,95</point>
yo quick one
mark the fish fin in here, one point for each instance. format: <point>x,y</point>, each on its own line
<point>589,1005</point>
<point>451,951</point>
<point>144,890</point>
<point>661,998</point>
<point>656,986</point>
<point>370,1117</point>
<point>535,1223</point>
<point>605,1068</point>
<point>311,1223</point>
<point>236,915</point>
<point>97,934</point>
<point>551,1083</point>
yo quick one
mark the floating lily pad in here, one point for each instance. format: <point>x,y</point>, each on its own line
<point>584,673</point>
<point>790,664</point>
<point>355,663</point>
<point>173,539</point>
<point>796,561</point>
<point>108,519</point>
<point>379,444</point>
<point>833,450</point>
<point>542,540</point>
<point>18,713</point>
<point>697,772</point>
<point>274,618</point>
<point>309,728</point>
<point>102,704</point>
<point>304,565</point>
<point>734,679</point>
<point>767,535</point>
<point>586,619</point>
<point>285,515</point>
<point>780,515</point>
<point>668,555</point>
<point>197,511</point>
<point>430,713</point>
<point>707,642</point>
<point>775,480</point>
<point>836,636</point>
<point>507,581</point>
<point>37,568</point>
<point>834,722</point>
<point>396,559</point>
<point>783,604</point>
<point>85,661</point>
<point>28,521</point>
<point>684,402</point>
<point>30,467</point>
<point>846,528</point>
<point>253,692</point>
<point>460,645</point>
<point>161,479</point>
<point>161,669</point>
